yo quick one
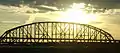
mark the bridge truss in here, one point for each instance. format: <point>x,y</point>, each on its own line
<point>55,32</point>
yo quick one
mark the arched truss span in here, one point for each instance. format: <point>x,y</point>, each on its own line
<point>55,32</point>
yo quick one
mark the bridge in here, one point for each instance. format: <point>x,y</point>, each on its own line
<point>45,33</point>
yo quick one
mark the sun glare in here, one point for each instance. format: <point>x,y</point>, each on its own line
<point>76,6</point>
<point>78,14</point>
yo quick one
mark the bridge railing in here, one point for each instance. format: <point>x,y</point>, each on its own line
<point>53,40</point>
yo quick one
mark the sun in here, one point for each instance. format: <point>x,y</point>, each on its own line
<point>77,14</point>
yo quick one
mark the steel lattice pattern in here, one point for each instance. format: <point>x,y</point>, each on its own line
<point>43,32</point>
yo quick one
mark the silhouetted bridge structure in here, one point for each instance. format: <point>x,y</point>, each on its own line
<point>58,37</point>
<point>41,33</point>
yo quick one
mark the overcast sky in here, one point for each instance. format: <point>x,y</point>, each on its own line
<point>101,3</point>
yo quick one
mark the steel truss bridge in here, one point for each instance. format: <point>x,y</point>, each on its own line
<point>55,33</point>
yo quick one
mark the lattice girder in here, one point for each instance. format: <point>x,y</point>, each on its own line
<point>55,32</point>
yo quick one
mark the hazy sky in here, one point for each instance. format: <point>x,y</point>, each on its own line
<point>100,3</point>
